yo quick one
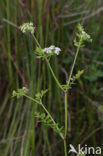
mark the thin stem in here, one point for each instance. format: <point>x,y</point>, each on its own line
<point>66,115</point>
<point>48,113</point>
<point>60,86</point>
<point>66,123</point>
<point>58,83</point>
<point>76,55</point>
<point>32,99</point>
<point>65,147</point>
<point>51,119</point>
<point>61,135</point>
<point>36,41</point>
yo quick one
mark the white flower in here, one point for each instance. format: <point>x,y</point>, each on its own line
<point>27,27</point>
<point>57,50</point>
<point>52,50</point>
<point>52,47</point>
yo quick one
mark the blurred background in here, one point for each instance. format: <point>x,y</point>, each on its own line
<point>55,22</point>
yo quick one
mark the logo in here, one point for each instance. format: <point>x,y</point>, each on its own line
<point>85,149</point>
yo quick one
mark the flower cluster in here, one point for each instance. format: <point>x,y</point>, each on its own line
<point>83,34</point>
<point>52,50</point>
<point>27,27</point>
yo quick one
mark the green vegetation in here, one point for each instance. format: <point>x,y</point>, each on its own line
<point>24,128</point>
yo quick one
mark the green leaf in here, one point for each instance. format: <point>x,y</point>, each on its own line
<point>78,75</point>
<point>46,120</point>
<point>19,92</point>
<point>41,94</point>
<point>73,79</point>
<point>14,93</point>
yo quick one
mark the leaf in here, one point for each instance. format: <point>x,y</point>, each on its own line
<point>46,120</point>
<point>14,93</point>
<point>47,117</point>
<point>19,92</point>
<point>79,73</point>
<point>73,79</point>
<point>41,94</point>
<point>42,115</point>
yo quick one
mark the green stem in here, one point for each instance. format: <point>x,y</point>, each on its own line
<point>51,119</point>
<point>32,99</point>
<point>60,86</point>
<point>36,41</point>
<point>66,112</point>
<point>76,55</point>
<point>65,147</point>
<point>48,113</point>
<point>61,135</point>
<point>66,115</point>
<point>66,123</point>
<point>58,83</point>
